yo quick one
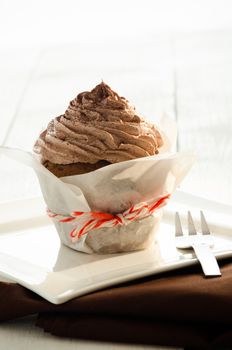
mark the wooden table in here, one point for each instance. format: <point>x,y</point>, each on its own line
<point>186,76</point>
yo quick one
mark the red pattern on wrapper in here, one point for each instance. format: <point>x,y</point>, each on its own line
<point>88,221</point>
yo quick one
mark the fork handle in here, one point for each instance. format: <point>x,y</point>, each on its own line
<point>207,259</point>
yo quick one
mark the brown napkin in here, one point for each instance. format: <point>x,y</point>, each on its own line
<point>180,308</point>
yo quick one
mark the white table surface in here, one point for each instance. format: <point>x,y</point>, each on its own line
<point>187,76</point>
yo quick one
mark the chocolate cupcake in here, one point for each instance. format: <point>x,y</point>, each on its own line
<point>98,128</point>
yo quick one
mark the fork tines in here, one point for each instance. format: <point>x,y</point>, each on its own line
<point>204,225</point>
<point>191,227</point>
<point>178,227</point>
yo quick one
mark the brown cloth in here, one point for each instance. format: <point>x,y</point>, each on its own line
<point>179,308</point>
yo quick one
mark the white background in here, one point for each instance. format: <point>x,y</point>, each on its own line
<point>51,22</point>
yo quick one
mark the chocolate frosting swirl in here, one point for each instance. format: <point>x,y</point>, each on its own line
<point>98,125</point>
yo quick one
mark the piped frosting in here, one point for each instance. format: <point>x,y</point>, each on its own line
<point>98,125</point>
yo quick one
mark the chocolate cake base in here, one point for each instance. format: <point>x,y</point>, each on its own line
<point>61,170</point>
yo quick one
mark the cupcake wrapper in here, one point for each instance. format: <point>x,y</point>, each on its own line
<point>111,189</point>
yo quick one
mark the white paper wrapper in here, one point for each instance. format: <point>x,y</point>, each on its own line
<point>112,189</point>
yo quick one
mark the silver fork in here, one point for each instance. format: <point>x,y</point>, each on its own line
<point>200,242</point>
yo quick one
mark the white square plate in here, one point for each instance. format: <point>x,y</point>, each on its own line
<point>32,255</point>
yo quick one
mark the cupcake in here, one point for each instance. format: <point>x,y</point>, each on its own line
<point>107,167</point>
<point>98,128</point>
